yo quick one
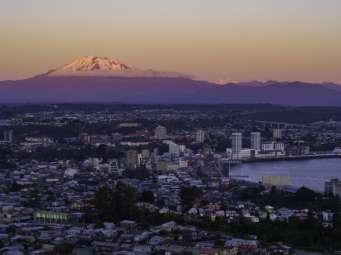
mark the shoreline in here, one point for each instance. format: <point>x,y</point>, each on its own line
<point>292,158</point>
<point>300,173</point>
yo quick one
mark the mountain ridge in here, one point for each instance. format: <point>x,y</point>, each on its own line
<point>77,85</point>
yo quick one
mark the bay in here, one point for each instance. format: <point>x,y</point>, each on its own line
<point>309,173</point>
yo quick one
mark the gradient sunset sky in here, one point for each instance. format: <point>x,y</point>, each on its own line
<point>212,39</point>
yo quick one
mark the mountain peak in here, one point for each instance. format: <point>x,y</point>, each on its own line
<point>91,64</point>
<point>104,66</point>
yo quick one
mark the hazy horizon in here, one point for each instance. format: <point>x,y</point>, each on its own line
<point>213,40</point>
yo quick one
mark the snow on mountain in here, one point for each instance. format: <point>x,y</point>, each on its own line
<point>104,80</point>
<point>103,66</point>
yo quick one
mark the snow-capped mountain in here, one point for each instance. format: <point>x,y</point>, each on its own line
<point>105,80</point>
<point>103,66</point>
<point>91,63</point>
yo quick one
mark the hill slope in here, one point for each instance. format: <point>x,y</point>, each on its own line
<point>104,80</point>
<point>161,90</point>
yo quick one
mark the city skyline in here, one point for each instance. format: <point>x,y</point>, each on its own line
<point>170,127</point>
<point>219,41</point>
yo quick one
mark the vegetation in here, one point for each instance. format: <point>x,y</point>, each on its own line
<point>307,234</point>
<point>302,198</point>
<point>190,196</point>
<point>116,204</point>
<point>64,248</point>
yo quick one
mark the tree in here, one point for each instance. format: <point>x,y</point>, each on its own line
<point>103,202</point>
<point>115,204</point>
<point>305,195</point>
<point>337,221</point>
<point>148,196</point>
<point>11,230</point>
<point>190,196</point>
<point>64,248</point>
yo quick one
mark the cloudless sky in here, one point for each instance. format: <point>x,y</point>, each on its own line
<point>213,39</point>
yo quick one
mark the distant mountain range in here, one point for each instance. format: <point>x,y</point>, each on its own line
<point>104,80</point>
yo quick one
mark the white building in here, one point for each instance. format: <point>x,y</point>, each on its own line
<point>139,159</point>
<point>256,141</point>
<point>337,150</point>
<point>268,146</point>
<point>183,163</point>
<point>160,132</point>
<point>245,154</point>
<point>279,147</point>
<point>200,136</point>
<point>277,133</point>
<point>333,187</point>
<point>70,172</point>
<point>182,148</point>
<point>174,149</point>
<point>236,139</point>
<point>273,146</point>
<point>92,162</point>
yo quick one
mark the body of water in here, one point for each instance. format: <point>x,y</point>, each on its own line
<point>310,173</point>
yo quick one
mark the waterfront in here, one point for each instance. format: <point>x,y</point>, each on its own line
<point>309,173</point>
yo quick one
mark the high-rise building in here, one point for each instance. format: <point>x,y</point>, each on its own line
<point>256,141</point>
<point>200,136</point>
<point>160,132</point>
<point>333,187</point>
<point>8,136</point>
<point>277,133</point>
<point>174,149</point>
<point>236,139</point>
<point>182,148</point>
<point>132,159</point>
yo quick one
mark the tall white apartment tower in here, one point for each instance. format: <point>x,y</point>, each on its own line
<point>236,139</point>
<point>200,136</point>
<point>256,141</point>
<point>174,149</point>
<point>277,133</point>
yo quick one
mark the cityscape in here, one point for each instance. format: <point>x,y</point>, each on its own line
<point>139,179</point>
<point>197,127</point>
